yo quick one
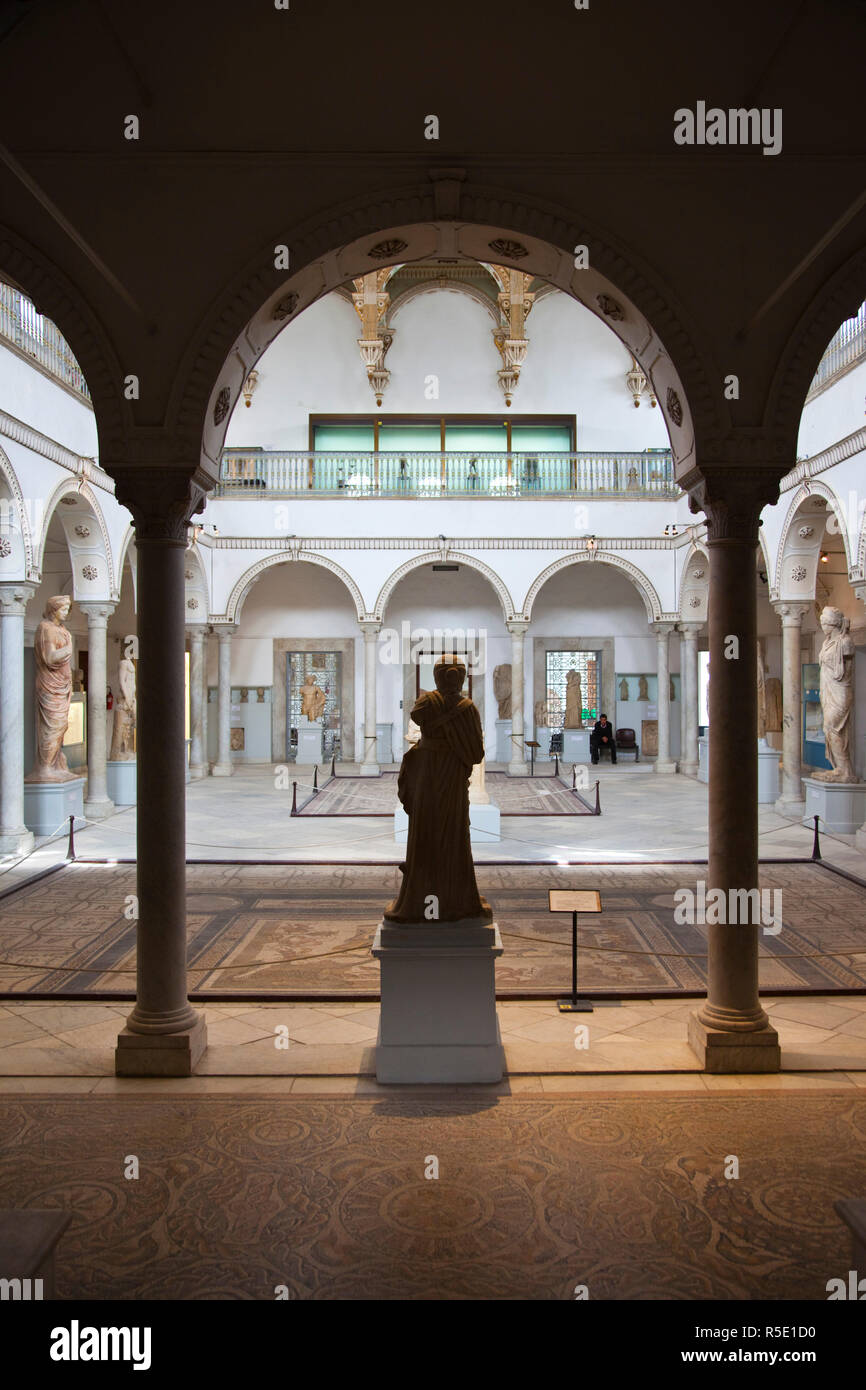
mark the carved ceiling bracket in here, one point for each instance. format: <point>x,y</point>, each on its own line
<point>371,301</point>
<point>515,302</point>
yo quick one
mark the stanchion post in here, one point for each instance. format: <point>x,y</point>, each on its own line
<point>816,842</point>
<point>334,765</point>
<point>556,764</point>
<point>70,848</point>
<point>597,801</point>
<point>574,777</point>
<point>294,798</point>
<point>315,777</point>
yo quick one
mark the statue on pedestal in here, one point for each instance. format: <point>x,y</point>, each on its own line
<point>53,648</point>
<point>642,688</point>
<point>433,786</point>
<point>623,689</point>
<point>502,690</point>
<point>312,699</point>
<point>837,694</point>
<point>122,735</point>
<point>573,705</point>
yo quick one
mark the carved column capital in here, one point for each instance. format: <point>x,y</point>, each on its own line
<point>518,627</point>
<point>732,499</point>
<point>97,610</point>
<point>792,614</point>
<point>162,500</point>
<point>15,595</point>
<point>371,628</point>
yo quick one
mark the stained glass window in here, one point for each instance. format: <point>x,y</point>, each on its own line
<point>558,665</point>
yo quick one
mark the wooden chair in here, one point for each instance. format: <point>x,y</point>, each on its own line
<point>626,742</point>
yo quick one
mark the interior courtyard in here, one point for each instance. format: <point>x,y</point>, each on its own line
<point>586,428</point>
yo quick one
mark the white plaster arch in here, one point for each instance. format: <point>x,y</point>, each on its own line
<point>15,527</point>
<point>797,552</point>
<point>238,595</point>
<point>445,555</point>
<point>639,579</point>
<point>413,292</point>
<point>87,552</point>
<point>196,590</point>
<point>695,586</point>
<point>127,548</point>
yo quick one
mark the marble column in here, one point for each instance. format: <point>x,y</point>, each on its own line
<point>860,836</point>
<point>792,801</point>
<point>205,705</point>
<point>164,1035</point>
<point>97,803</point>
<point>223,765</point>
<point>730,1032</point>
<point>681,759</point>
<point>664,762</point>
<point>517,762</point>
<point>689,694</point>
<point>369,766</point>
<point>15,838</point>
<point>197,756</point>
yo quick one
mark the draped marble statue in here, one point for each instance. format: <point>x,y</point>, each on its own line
<point>502,689</point>
<point>642,688</point>
<point>312,699</point>
<point>122,734</point>
<point>762,693</point>
<point>837,694</point>
<point>573,703</point>
<point>52,646</point>
<point>433,787</point>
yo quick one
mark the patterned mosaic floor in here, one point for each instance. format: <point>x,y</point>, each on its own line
<point>317,922</point>
<point>543,795</point>
<point>626,1195</point>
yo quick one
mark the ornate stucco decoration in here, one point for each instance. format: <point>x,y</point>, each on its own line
<point>387,250</point>
<point>798,573</point>
<point>221,409</point>
<point>805,532</point>
<point>675,406</point>
<point>515,302</point>
<point>89,572</point>
<point>371,301</point>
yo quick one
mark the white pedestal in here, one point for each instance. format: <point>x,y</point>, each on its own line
<point>384,743</point>
<point>841,805</point>
<point>309,743</point>
<point>768,772</point>
<point>542,753</point>
<point>484,823</point>
<point>438,1017</point>
<point>122,779</point>
<point>48,805</point>
<point>575,745</point>
<point>703,759</point>
<point>503,741</point>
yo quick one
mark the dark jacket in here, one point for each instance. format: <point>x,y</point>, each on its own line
<point>600,732</point>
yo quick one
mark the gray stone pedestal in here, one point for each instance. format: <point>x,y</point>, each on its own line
<point>841,805</point>
<point>503,741</point>
<point>575,746</point>
<point>48,805</point>
<point>768,772</point>
<point>160,1054</point>
<point>438,1017</point>
<point>122,777</point>
<point>722,1051</point>
<point>309,742</point>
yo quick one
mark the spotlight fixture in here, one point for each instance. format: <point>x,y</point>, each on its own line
<point>824,557</point>
<point>591,543</point>
<point>672,530</point>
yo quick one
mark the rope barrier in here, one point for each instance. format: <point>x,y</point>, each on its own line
<point>66,827</point>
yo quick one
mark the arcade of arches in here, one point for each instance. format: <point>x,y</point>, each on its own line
<point>431,427</point>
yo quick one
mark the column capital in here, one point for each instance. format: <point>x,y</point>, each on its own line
<point>371,627</point>
<point>732,498</point>
<point>225,631</point>
<point>98,611</point>
<point>690,631</point>
<point>162,500</point>
<point>791,613</point>
<point>663,629</point>
<point>517,626</point>
<point>15,594</point>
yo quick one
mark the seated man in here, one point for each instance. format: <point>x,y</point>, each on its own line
<point>602,737</point>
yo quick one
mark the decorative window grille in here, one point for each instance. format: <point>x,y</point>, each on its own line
<point>326,667</point>
<point>558,664</point>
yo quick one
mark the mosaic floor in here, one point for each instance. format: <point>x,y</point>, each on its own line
<point>626,1195</point>
<point>543,795</point>
<point>307,929</point>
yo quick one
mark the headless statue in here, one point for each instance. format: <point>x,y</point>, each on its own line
<point>837,694</point>
<point>53,648</point>
<point>433,786</point>
<point>122,735</point>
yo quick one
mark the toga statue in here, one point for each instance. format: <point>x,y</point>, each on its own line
<point>312,699</point>
<point>837,694</point>
<point>762,695</point>
<point>540,714</point>
<point>122,735</point>
<point>502,690</point>
<point>642,688</point>
<point>573,705</point>
<point>773,704</point>
<point>53,648</point>
<point>623,689</point>
<point>433,788</point>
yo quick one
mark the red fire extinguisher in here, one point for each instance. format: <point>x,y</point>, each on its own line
<point>109,699</point>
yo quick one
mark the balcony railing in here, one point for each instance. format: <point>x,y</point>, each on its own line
<point>846,347</point>
<point>39,338</point>
<point>249,472</point>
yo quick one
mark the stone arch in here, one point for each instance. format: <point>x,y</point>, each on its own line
<point>798,554</point>
<point>695,586</point>
<point>239,593</point>
<point>421,221</point>
<point>438,556</point>
<point>56,296</point>
<point>127,546</point>
<point>196,595</point>
<point>642,584</point>
<point>836,300</point>
<point>413,292</point>
<point>86,537</point>
<point>16,534</point>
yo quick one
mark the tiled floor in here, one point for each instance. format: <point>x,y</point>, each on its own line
<point>331,1046</point>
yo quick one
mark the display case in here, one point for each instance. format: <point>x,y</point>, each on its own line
<point>814,743</point>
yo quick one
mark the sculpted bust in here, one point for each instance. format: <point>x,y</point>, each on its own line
<point>837,694</point>
<point>53,649</point>
<point>312,699</point>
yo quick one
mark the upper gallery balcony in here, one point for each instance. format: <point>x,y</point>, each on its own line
<point>300,473</point>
